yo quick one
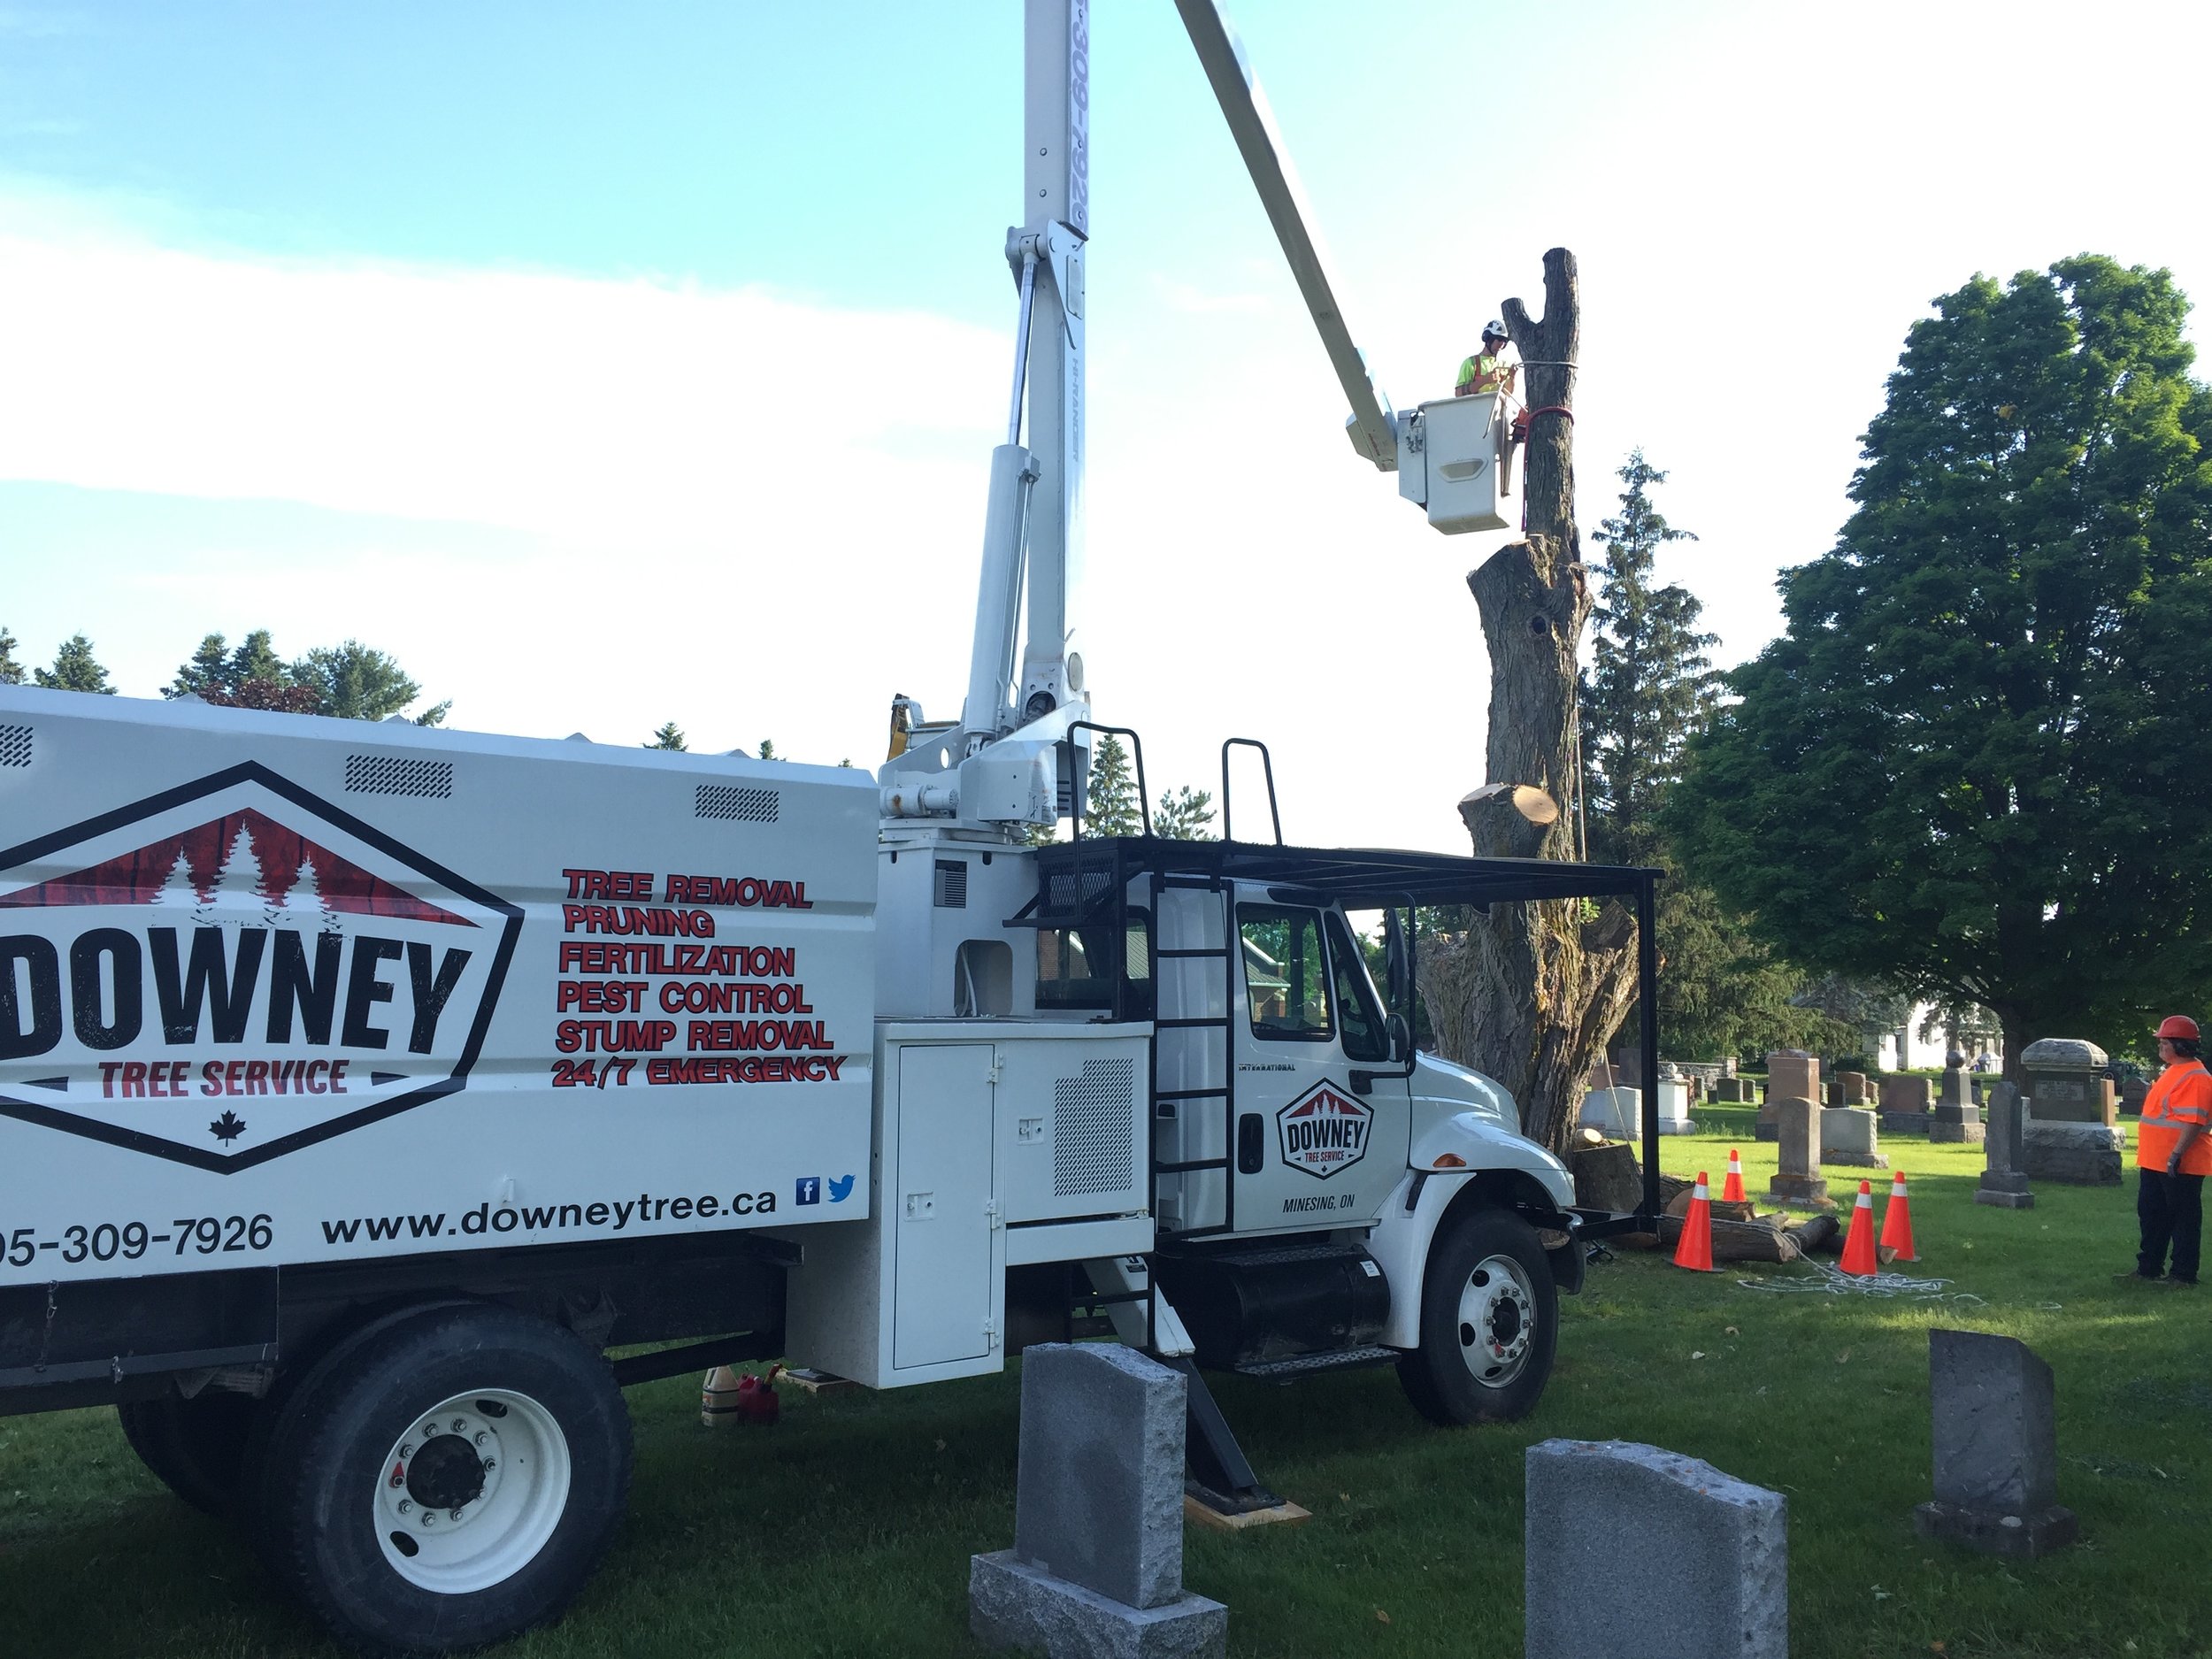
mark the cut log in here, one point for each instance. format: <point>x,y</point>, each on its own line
<point>1737,1241</point>
<point>1606,1178</point>
<point>1819,1235</point>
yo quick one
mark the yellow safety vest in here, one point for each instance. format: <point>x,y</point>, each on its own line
<point>1483,373</point>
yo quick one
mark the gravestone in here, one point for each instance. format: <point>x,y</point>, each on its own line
<point>1672,1102</point>
<point>2133,1092</point>
<point>1996,1448</point>
<point>1601,1074</point>
<point>1847,1135</point>
<point>1097,1562</point>
<point>1855,1092</point>
<point>1799,1180</point>
<point>1615,1533</point>
<point>1615,1113</point>
<point>1907,1104</point>
<point>1792,1074</point>
<point>2071,1134</point>
<point>1957,1118</point>
<point>2071,1154</point>
<point>2066,1081</point>
<point>2004,1183</point>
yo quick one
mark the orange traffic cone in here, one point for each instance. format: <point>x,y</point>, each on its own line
<point>1897,1222</point>
<point>1695,1250</point>
<point>1858,1244</point>
<point>1732,1189</point>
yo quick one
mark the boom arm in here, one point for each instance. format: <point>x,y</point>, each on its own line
<point>1252,124</point>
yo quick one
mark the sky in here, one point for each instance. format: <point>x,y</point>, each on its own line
<point>609,367</point>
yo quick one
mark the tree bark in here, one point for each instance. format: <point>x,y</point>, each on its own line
<point>1532,992</point>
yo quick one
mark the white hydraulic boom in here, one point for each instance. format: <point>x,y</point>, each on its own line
<point>1006,761</point>
<point>1371,427</point>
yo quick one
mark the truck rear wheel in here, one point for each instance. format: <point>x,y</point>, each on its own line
<point>456,1485</point>
<point>1489,1322</point>
<point>195,1447</point>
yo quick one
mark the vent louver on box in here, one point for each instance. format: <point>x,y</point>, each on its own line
<point>736,804</point>
<point>396,775</point>
<point>1094,1144</point>
<point>15,745</point>
<point>952,884</point>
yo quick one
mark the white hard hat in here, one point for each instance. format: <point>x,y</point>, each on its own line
<point>1494,330</point>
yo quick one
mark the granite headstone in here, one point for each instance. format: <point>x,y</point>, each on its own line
<point>1616,1531</point>
<point>1996,1446</point>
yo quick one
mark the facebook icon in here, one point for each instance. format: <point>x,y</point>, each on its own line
<point>809,1189</point>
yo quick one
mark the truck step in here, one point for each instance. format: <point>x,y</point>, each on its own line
<point>1307,1364</point>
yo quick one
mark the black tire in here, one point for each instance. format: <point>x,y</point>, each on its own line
<point>335,1480</point>
<point>1464,1374</point>
<point>197,1446</point>
<point>293,1406</point>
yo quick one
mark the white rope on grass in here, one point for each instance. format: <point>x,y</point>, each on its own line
<point>1834,1281</point>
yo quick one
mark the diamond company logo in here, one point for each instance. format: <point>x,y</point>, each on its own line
<point>1323,1132</point>
<point>235,968</point>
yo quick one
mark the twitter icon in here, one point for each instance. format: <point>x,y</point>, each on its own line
<point>841,1189</point>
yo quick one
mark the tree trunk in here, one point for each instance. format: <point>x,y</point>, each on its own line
<point>1532,992</point>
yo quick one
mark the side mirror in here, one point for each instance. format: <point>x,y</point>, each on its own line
<point>1401,1038</point>
<point>1397,961</point>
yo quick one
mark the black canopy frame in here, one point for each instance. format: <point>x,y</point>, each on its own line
<point>1078,879</point>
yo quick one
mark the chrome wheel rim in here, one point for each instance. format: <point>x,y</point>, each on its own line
<point>1497,1321</point>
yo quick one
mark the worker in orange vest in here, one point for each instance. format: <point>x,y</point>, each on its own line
<point>2173,1154</point>
<point>1483,372</point>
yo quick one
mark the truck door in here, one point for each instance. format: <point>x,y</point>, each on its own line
<point>1321,1140</point>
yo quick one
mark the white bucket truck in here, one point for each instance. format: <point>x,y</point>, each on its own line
<point>362,1086</point>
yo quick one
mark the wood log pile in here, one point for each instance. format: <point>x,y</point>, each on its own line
<point>1607,1177</point>
<point>1740,1234</point>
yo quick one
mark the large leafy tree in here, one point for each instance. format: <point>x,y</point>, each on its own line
<point>75,669</point>
<point>1975,765</point>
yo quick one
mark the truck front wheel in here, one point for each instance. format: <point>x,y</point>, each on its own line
<point>1489,1322</point>
<point>458,1488</point>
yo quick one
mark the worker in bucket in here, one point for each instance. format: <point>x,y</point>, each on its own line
<point>1485,372</point>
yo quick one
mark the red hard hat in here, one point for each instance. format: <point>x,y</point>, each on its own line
<point>2178,1025</point>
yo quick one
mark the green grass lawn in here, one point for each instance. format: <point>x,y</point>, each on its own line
<point>847,1529</point>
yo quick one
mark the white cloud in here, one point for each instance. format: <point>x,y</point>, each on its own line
<point>622,411</point>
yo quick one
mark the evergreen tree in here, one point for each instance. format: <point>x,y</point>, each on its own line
<point>1650,683</point>
<point>351,681</point>
<point>75,669</point>
<point>1186,815</point>
<point>206,671</point>
<point>669,736</point>
<point>1973,765</point>
<point>12,672</point>
<point>1113,791</point>
<point>768,750</point>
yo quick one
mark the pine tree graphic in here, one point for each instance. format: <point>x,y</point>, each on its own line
<point>304,905</point>
<point>178,890</point>
<point>238,888</point>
